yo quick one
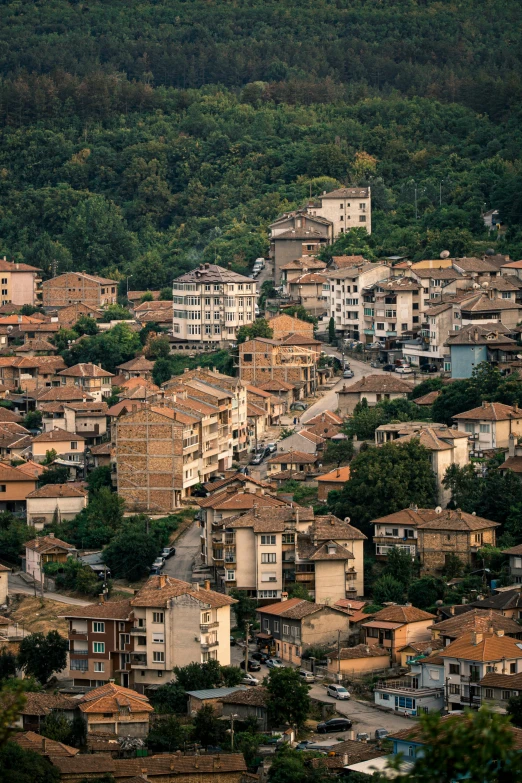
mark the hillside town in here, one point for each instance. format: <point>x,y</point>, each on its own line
<point>265,510</point>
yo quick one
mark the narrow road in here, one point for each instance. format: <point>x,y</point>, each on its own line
<point>17,585</point>
<point>187,547</point>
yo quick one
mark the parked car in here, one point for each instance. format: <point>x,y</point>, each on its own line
<point>275,663</point>
<point>159,562</point>
<point>168,551</point>
<point>271,447</point>
<point>389,368</point>
<point>156,570</point>
<point>375,365</point>
<point>337,692</point>
<point>248,679</point>
<point>258,458</point>
<point>298,406</point>
<point>348,374</point>
<point>334,724</point>
<point>363,736</point>
<point>381,734</point>
<point>429,368</point>
<point>232,641</point>
<point>306,676</point>
<point>253,666</point>
<point>403,370</point>
<point>260,656</point>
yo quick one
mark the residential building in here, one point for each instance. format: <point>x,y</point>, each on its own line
<point>476,267</point>
<point>294,625</point>
<point>358,661</point>
<point>436,282</point>
<point>344,208</point>
<point>58,394</point>
<point>302,341</point>
<point>481,308</point>
<point>158,311</point>
<point>490,425</point>
<point>300,266</point>
<point>475,344</point>
<point>447,446</point>
<point>73,287</point>
<point>36,373</point>
<point>94,380</point>
<point>310,290</point>
<point>417,652</point>
<point>69,315</point>
<point>115,709</point>
<point>478,620</point>
<point>4,584</point>
<point>245,704</point>
<point>433,535</point>
<point>346,299</point>
<point>54,502</point>
<point>43,746</point>
<point>427,400</point>
<point>211,303</point>
<point>372,388</point>
<point>303,442</point>
<point>497,689</point>
<point>422,691</point>
<point>100,643</point>
<point>396,626</point>
<point>280,390</point>
<point>292,461</point>
<point>470,658</point>
<point>439,323</point>
<point>515,563</point>
<point>210,697</point>
<point>70,447</point>
<point>391,309</point>
<point>15,486</point>
<point>282,325</point>
<point>36,347</point>
<point>175,624</point>
<point>332,482</point>
<point>39,705</point>
<point>326,418</point>
<point>262,359</point>
<point>86,418</point>
<point>297,234</point>
<point>46,549</point>
<point>20,283</point>
<point>507,602</point>
<point>140,367</point>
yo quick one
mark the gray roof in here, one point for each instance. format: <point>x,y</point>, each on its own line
<point>215,693</point>
<point>211,273</point>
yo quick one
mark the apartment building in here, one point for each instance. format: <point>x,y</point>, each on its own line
<point>309,290</point>
<point>297,234</point>
<point>438,324</point>
<point>300,266</point>
<point>396,308</point>
<point>175,624</point>
<point>484,308</point>
<point>262,359</point>
<point>491,424</point>
<point>345,208</point>
<point>474,344</point>
<point>211,303</point>
<point>20,283</point>
<point>74,287</point>
<point>353,317</point>
<point>94,380</point>
<point>436,282</point>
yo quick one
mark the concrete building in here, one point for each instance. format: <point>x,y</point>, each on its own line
<point>345,208</point>
<point>391,309</point>
<point>92,379</point>
<point>117,710</point>
<point>396,626</point>
<point>54,501</point>
<point>72,287</point>
<point>211,303</point>
<point>175,624</point>
<point>491,425</point>
<point>4,584</point>
<point>481,308</point>
<point>297,234</point>
<point>420,692</point>
<point>475,344</point>
<point>15,486</point>
<point>46,549</point>
<point>309,290</point>
<point>20,283</point>
<point>262,359</point>
<point>359,661</point>
<point>372,388</point>
<point>354,319</point>
<point>438,323</point>
<point>515,563</point>
<point>87,418</point>
<point>69,446</point>
<point>282,325</point>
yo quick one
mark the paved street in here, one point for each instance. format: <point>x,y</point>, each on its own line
<point>17,585</point>
<point>187,548</point>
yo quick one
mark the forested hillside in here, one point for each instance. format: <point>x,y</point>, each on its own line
<point>140,138</point>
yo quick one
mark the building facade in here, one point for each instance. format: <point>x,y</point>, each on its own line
<point>72,287</point>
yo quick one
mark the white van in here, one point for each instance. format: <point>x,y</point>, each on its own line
<point>337,692</point>
<point>306,676</point>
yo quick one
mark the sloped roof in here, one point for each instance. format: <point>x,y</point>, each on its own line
<point>158,590</point>
<point>330,527</point>
<point>293,608</point>
<point>86,370</point>
<point>474,334</point>
<point>9,416</point>
<point>402,614</point>
<point>338,552</point>
<point>108,610</point>
<point>475,265</point>
<point>427,399</point>
<point>347,193</point>
<point>292,457</point>
<point>234,500</point>
<point>256,697</point>
<point>140,363</point>
<point>506,599</point>
<point>57,435</point>
<point>44,543</point>
<point>58,491</point>
<point>111,697</point>
<point>377,383</point>
<point>268,520</point>
<point>491,411</point>
<point>8,473</point>
<point>359,651</point>
<point>67,393</point>
<point>325,417</point>
<point>212,273</point>
<point>30,740</point>
<point>429,519</point>
<point>483,647</point>
<point>43,703</point>
<point>477,620</point>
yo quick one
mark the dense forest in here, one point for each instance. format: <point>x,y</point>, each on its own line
<point>140,138</point>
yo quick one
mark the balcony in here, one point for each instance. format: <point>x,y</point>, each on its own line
<point>80,636</point>
<point>138,660</point>
<point>405,686</point>
<point>369,331</point>
<point>206,627</point>
<point>138,629</point>
<point>384,550</point>
<point>391,334</point>
<point>209,645</point>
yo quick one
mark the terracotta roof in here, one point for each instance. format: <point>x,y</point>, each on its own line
<point>347,193</point>
<point>324,430</point>
<point>212,273</point>
<point>155,305</point>
<point>477,620</point>
<point>482,647</point>
<point>84,764</point>
<point>133,383</point>
<point>493,680</point>
<point>474,334</point>
<point>429,519</point>
<point>475,265</point>
<point>311,436</point>
<point>427,437</point>
<point>43,543</point>
<point>330,527</point>
<point>343,261</point>
<point>356,751</point>
<point>158,590</point>
<point>292,458</point>
<point>67,393</point>
<point>423,647</point>
<point>6,415</point>
<point>506,599</point>
<point>232,500</point>
<point>491,411</point>
<point>86,370</point>
<point>57,435</point>
<point>402,614</point>
<point>300,233</point>
<point>438,274</point>
<point>513,265</point>
<point>377,383</point>
<point>215,486</point>
<point>29,740</point>
<point>293,608</point>
<point>35,345</point>
<point>57,491</point>
<point>359,651</point>
<point>255,410</point>
<point>43,703</point>
<point>275,385</point>
<point>101,448</point>
<point>87,407</point>
<point>267,520</point>
<point>308,277</point>
<point>124,406</point>
<point>482,303</point>
<point>331,550</point>
<point>427,399</point>
<point>514,550</point>
<point>8,473</point>
<point>307,262</point>
<point>257,697</point>
<point>326,417</point>
<point>108,610</point>
<point>111,697</point>
<point>133,295</point>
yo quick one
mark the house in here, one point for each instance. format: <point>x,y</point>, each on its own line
<point>326,418</point>
<point>175,624</point>
<point>332,482</point>
<point>211,303</point>
<point>58,394</point>
<point>299,266</point>
<point>43,746</point>
<point>490,425</point>
<point>354,318</point>
<point>302,442</point>
<point>418,651</point>
<point>396,626</point>
<point>280,390</point>
<point>348,754</point>
<point>158,311</point>
<point>15,486</point>
<point>117,710</point>
<point>497,689</point>
<point>101,454</point>
<point>39,705</point>
<point>475,344</point>
<point>297,234</point>
<point>70,447</point>
<point>72,287</point>
<point>31,374</point>
<point>507,602</point>
<point>294,625</point>
<point>470,658</point>
<point>427,400</point>
<point>101,639</point>
<point>515,563</point>
<point>292,461</point>
<point>140,367</point>
<point>262,359</point>
<point>4,584</point>
<point>46,549</point>
<point>245,704</point>
<point>422,691</point>
<point>94,380</point>
<point>310,290</point>
<point>37,347</point>
<point>69,315</point>
<point>358,661</point>
<point>481,308</point>
<point>478,620</point>
<point>15,442</point>
<point>54,502</point>
<point>372,388</point>
<point>87,418</point>
<point>325,431</point>
<point>344,208</point>
<point>432,535</point>
<point>20,283</point>
<point>210,697</point>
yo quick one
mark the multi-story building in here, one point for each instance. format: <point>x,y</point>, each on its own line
<point>116,710</point>
<point>74,287</point>
<point>474,344</point>
<point>19,283</point>
<point>345,208</point>
<point>297,234</point>
<point>54,502</point>
<point>69,446</point>
<point>515,563</point>
<point>262,359</point>
<point>438,324</point>
<point>45,549</point>
<point>491,424</point>
<point>310,290</point>
<point>175,624</point>
<point>352,315</point>
<point>86,418</point>
<point>394,627</point>
<point>92,379</point>
<point>484,308</point>
<point>210,305</point>
<point>30,374</point>
<point>396,309</point>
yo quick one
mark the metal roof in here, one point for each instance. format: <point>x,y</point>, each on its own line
<point>215,693</point>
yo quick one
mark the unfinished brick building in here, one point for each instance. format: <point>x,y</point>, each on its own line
<point>263,360</point>
<point>73,287</point>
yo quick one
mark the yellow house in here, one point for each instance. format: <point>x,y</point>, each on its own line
<point>70,446</point>
<point>358,661</point>
<point>394,627</point>
<point>117,710</point>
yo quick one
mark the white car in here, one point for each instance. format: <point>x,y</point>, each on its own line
<point>403,370</point>
<point>248,679</point>
<point>337,692</point>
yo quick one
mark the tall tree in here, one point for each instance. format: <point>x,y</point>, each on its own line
<point>40,656</point>
<point>288,699</point>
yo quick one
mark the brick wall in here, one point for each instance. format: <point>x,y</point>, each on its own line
<point>63,290</point>
<point>434,545</point>
<point>289,324</point>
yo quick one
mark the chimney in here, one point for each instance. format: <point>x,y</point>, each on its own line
<point>207,584</point>
<point>500,632</point>
<point>44,744</point>
<point>452,610</point>
<point>338,474</point>
<point>102,598</point>
<point>284,597</point>
<point>195,586</point>
<point>162,581</point>
<point>476,638</point>
<point>51,535</point>
<point>345,759</point>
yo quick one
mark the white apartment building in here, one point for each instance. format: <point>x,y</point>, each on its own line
<point>391,308</point>
<point>345,208</point>
<point>346,298</point>
<point>176,623</point>
<point>211,303</point>
<point>438,323</point>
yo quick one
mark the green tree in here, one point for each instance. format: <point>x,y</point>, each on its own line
<point>32,420</point>
<point>23,766</point>
<point>166,735</point>
<point>198,676</point>
<point>386,589</point>
<point>40,656</point>
<point>338,452</point>
<point>99,478</point>
<point>162,371</point>
<point>288,700</point>
<point>399,565</point>
<point>332,339</point>
<point>245,609</point>
<point>260,328</point>
<point>13,535</point>
<point>169,698</point>
<point>58,474</point>
<point>131,552</point>
<point>50,456</point>
<point>7,666</point>
<point>56,727</point>
<point>424,592</point>
<point>165,294</point>
<point>231,676</point>
<point>452,566</point>
<point>86,325</point>
<point>298,590</point>
<point>158,348</point>
<point>207,728</point>
<point>514,710</point>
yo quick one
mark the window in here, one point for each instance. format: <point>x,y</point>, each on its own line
<point>266,624</point>
<point>268,576</point>
<point>267,540</point>
<point>276,626</point>
<point>158,657</point>
<point>268,557</point>
<point>506,695</point>
<point>288,538</point>
<point>247,357</point>
<point>362,218</point>
<point>469,427</point>
<point>484,427</point>
<point>454,688</point>
<point>98,627</point>
<point>489,693</point>
<point>286,629</point>
<point>74,445</point>
<point>385,696</point>
<point>3,487</point>
<point>454,668</point>
<point>157,617</point>
<point>411,751</point>
<point>98,647</point>
<point>267,594</point>
<point>512,668</point>
<point>231,576</point>
<point>99,666</point>
<point>405,701</point>
<point>158,638</point>
<point>217,329</point>
<point>380,327</point>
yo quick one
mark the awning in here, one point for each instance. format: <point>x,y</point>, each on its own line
<point>261,635</point>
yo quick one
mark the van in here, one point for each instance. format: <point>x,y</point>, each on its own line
<point>306,676</point>
<point>337,692</point>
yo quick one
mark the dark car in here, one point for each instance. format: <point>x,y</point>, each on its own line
<point>334,724</point>
<point>253,666</point>
<point>258,458</point>
<point>429,368</point>
<point>389,367</point>
<point>260,656</point>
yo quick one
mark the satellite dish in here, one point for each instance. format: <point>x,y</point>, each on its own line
<point>438,510</point>
<point>519,355</point>
<point>409,263</point>
<point>485,284</point>
<point>476,285</point>
<point>9,328</point>
<point>445,254</point>
<point>490,252</point>
<point>347,520</point>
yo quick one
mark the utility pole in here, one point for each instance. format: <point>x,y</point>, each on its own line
<point>247,634</point>
<point>339,656</point>
<point>416,211</point>
<point>232,731</point>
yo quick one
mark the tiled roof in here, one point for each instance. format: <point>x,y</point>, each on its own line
<point>8,473</point>
<point>256,697</point>
<point>482,303</point>
<point>512,463</point>
<point>356,751</point>
<point>438,274</point>
<point>325,430</point>
<point>474,334</point>
<point>211,273</point>
<point>430,519</point>
<point>493,680</point>
<point>164,766</point>
<point>402,614</point>
<point>292,458</point>
<point>482,647</point>
<point>57,435</point>
<point>43,703</point>
<point>111,697</point>
<point>475,265</point>
<point>377,383</point>
<point>57,491</point>
<point>307,262</point>
<point>427,399</point>
<point>477,620</point>
<point>29,740</point>
<point>44,543</point>
<point>328,417</point>
<point>101,448</point>
<point>506,599</point>
<point>86,370</point>
<point>300,233</point>
<point>427,437</point>
<point>124,406</point>
<point>421,647</point>
<point>293,608</point>
<point>513,265</point>
<point>67,393</point>
<point>7,415</point>
<point>267,520</point>
<point>491,411</point>
<point>35,345</point>
<point>311,436</point>
<point>155,305</point>
<point>331,550</point>
<point>341,262</point>
<point>158,590</point>
<point>308,277</point>
<point>214,486</point>
<point>359,651</point>
<point>331,527</point>
<point>234,500</point>
<point>298,339</point>
<point>108,610</point>
<point>347,193</point>
<point>514,550</point>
